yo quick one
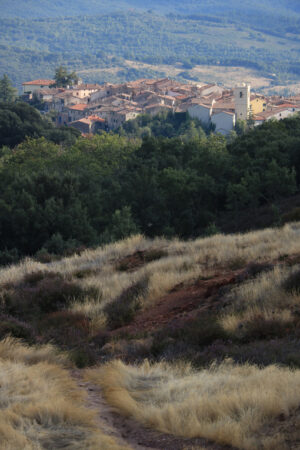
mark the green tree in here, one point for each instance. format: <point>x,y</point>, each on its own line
<point>122,225</point>
<point>63,78</point>
<point>240,127</point>
<point>7,92</point>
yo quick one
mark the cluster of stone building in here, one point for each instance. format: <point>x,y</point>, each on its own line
<point>90,107</point>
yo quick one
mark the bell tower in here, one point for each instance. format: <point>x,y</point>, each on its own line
<point>242,101</point>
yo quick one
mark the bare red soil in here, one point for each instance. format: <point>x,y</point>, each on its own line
<point>182,304</point>
<point>186,302</point>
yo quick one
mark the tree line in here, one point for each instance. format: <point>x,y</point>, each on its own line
<point>60,193</point>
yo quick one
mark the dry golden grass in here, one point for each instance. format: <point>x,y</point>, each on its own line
<point>40,405</point>
<point>184,261</point>
<point>228,404</point>
<point>262,297</point>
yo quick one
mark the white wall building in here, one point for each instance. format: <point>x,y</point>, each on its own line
<point>29,87</point>
<point>224,122</point>
<point>278,114</point>
<point>201,112</point>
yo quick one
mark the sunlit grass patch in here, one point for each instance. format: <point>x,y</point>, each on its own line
<point>41,407</point>
<point>225,403</point>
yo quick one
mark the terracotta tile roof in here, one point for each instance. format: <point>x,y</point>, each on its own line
<point>286,105</point>
<point>79,107</point>
<point>96,118</point>
<point>87,121</point>
<point>181,97</point>
<point>38,83</point>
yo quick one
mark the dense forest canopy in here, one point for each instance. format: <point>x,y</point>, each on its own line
<point>176,180</point>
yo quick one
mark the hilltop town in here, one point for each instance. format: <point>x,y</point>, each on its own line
<point>92,107</point>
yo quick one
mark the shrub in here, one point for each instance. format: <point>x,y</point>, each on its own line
<point>84,273</point>
<point>122,310</point>
<point>9,257</point>
<point>66,328</point>
<point>123,266</point>
<point>16,328</point>
<point>292,282</point>
<point>291,216</point>
<point>100,339</point>
<point>189,338</point>
<point>260,327</point>
<point>154,255</point>
<point>255,268</point>
<point>54,294</point>
<point>44,257</point>
<point>283,351</point>
<point>236,263</point>
<point>43,293</point>
<point>83,357</point>
<point>66,319</point>
<point>33,278</point>
<point>202,331</point>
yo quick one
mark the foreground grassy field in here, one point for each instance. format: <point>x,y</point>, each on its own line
<point>224,403</point>
<point>40,405</point>
<point>197,339</point>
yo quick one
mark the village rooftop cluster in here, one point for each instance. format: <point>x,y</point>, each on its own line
<point>90,107</point>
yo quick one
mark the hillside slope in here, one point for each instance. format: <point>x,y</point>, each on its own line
<point>220,311</point>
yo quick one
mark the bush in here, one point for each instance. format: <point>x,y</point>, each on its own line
<point>292,282</point>
<point>44,257</point>
<point>154,255</point>
<point>254,269</point>
<point>203,331</point>
<point>274,351</point>
<point>84,273</point>
<point>123,309</point>
<point>43,292</point>
<point>260,328</point>
<point>33,278</point>
<point>65,328</point>
<point>9,257</point>
<point>236,263</point>
<point>16,328</point>
<point>100,339</point>
<point>66,319</point>
<point>189,338</point>
<point>291,216</point>
<point>83,357</point>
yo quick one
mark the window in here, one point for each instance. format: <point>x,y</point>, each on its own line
<point>241,95</point>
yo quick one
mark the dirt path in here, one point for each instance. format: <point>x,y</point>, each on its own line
<point>128,432</point>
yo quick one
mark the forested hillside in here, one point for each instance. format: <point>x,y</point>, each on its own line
<point>264,39</point>
<point>177,181</point>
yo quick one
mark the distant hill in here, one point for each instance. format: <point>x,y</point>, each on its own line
<point>33,48</point>
<point>35,37</point>
<point>58,8</point>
